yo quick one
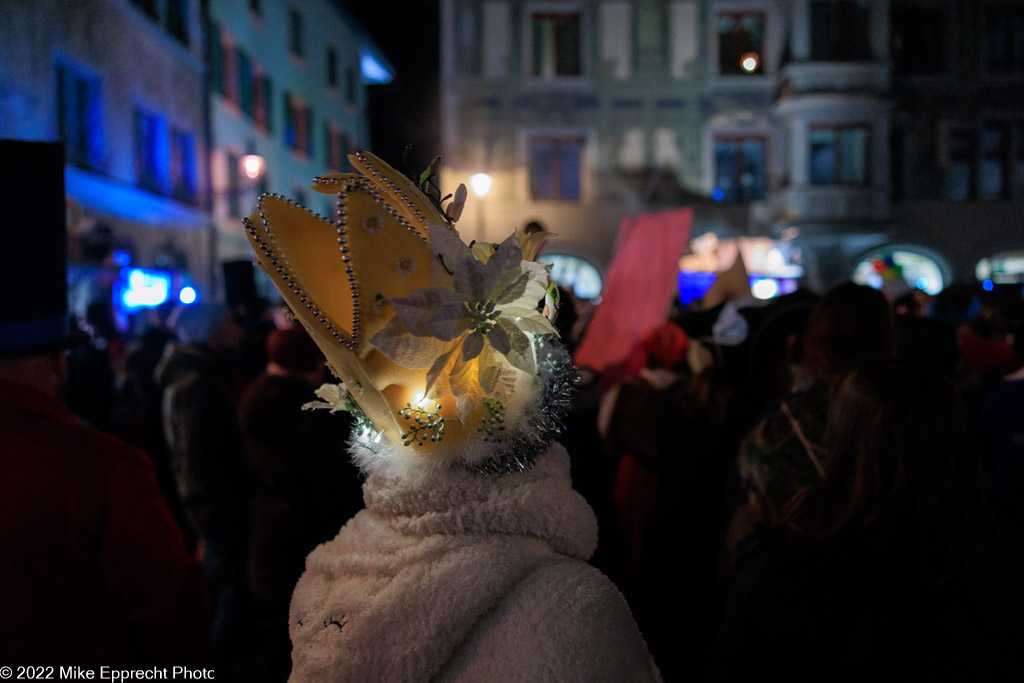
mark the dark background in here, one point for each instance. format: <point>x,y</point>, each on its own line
<point>406,111</point>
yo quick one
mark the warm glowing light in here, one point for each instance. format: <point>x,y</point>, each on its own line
<point>481,184</point>
<point>749,62</point>
<point>764,289</point>
<point>252,165</point>
<point>419,399</point>
<point>187,295</point>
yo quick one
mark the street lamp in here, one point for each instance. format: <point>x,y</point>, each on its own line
<point>252,165</point>
<point>481,184</point>
<point>749,61</point>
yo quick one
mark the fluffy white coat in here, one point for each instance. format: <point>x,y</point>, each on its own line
<point>465,577</point>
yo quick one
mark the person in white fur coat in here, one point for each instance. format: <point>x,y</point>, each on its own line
<point>478,578</point>
<point>469,561</point>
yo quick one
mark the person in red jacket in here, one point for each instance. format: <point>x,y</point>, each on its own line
<point>93,569</point>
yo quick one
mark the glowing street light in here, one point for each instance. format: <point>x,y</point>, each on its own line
<point>252,165</point>
<point>481,184</point>
<point>749,62</point>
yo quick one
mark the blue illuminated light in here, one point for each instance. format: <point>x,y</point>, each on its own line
<point>187,295</point>
<point>144,288</point>
<point>122,258</point>
<point>988,286</point>
<point>921,283</point>
<point>718,194</point>
<point>374,72</point>
<point>693,285</point>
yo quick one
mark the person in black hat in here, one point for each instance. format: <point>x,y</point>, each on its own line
<point>93,570</point>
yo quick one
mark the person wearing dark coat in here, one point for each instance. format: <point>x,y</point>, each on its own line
<point>305,486</point>
<point>93,569</point>
<point>208,461</point>
<point>894,567</point>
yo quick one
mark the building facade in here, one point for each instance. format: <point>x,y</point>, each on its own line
<point>121,84</point>
<point>157,101</point>
<point>834,125</point>
<point>288,83</point>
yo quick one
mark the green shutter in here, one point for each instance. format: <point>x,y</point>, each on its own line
<point>217,59</point>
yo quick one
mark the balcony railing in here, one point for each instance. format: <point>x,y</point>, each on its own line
<point>834,203</point>
<point>801,78</point>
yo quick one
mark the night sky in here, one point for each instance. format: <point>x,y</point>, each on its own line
<point>406,111</point>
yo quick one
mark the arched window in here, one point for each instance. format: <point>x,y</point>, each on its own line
<point>917,269</point>
<point>574,273</point>
<point>1006,268</point>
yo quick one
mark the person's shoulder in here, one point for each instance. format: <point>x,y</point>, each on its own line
<point>567,620</point>
<point>93,448</point>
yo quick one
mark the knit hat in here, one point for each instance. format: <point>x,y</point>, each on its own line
<point>667,342</point>
<point>293,350</point>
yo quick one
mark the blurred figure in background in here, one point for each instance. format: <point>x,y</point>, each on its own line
<point>892,563</point>
<point>304,485</point>
<point>93,570</point>
<point>782,454</point>
<point>200,407</point>
<point>89,391</point>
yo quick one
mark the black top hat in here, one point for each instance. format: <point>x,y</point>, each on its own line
<point>239,283</point>
<point>33,261</point>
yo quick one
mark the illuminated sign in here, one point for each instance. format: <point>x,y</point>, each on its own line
<point>143,288</point>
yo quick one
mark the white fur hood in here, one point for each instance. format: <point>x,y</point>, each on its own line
<point>465,576</point>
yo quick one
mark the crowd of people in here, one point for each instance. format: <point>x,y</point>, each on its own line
<point>832,491</point>
<point>822,488</point>
<point>805,488</point>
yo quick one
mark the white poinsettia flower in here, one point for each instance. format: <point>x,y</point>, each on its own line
<point>473,333</point>
<point>332,397</point>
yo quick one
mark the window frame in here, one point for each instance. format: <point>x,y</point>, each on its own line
<point>558,139</point>
<point>298,116</point>
<point>840,34</point>
<point>837,161</point>
<point>262,100</point>
<point>554,9</point>
<point>177,20</point>
<point>331,67</point>
<point>335,144</point>
<point>296,34</point>
<point>907,68</point>
<point>80,123</point>
<point>1009,155</point>
<point>1015,62</point>
<point>149,150</point>
<point>183,166</point>
<point>739,12</point>
<point>230,78</point>
<point>738,138</point>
